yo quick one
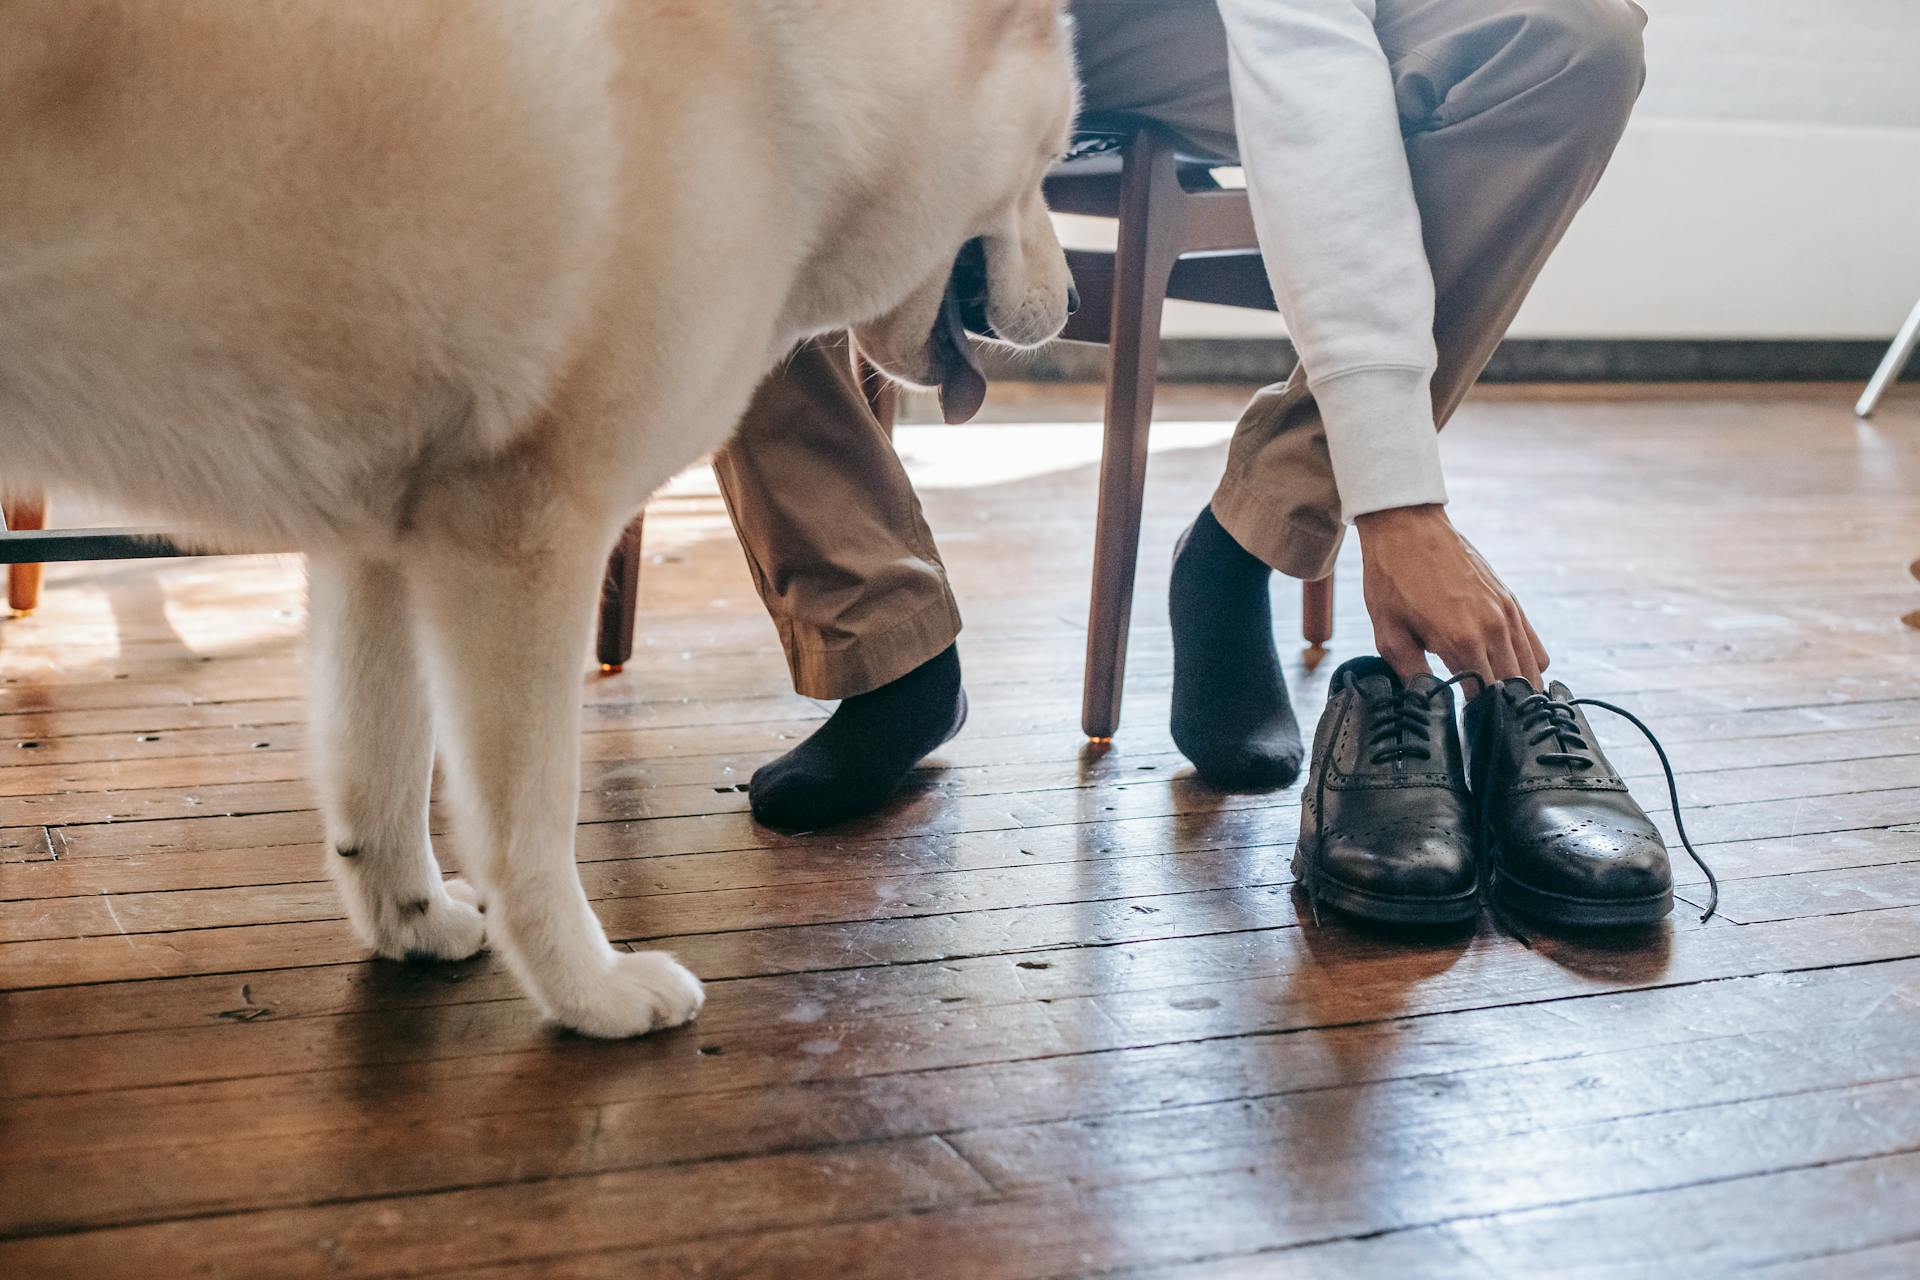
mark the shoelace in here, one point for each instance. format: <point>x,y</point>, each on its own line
<point>1549,718</point>
<point>1555,720</point>
<point>1673,786</point>
<point>1408,716</point>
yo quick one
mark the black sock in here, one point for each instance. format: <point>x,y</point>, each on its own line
<point>853,763</point>
<point>1231,714</point>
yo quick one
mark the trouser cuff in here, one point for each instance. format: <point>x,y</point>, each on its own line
<point>1301,545</point>
<point>849,669</point>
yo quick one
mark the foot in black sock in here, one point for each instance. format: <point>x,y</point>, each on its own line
<point>1231,714</point>
<point>863,753</point>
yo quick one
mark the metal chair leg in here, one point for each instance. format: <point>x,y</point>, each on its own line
<point>1890,368</point>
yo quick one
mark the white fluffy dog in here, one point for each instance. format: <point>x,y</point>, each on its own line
<point>439,293</point>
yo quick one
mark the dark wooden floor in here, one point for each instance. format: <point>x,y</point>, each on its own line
<point>1055,1013</point>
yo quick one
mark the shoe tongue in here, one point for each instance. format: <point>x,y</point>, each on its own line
<point>1426,683</point>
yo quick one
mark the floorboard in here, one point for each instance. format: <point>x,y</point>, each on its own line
<point>1056,1012</point>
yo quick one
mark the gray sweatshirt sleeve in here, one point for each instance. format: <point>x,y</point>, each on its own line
<point>1333,202</point>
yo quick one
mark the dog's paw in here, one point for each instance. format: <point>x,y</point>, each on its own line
<point>638,993</point>
<point>461,890</point>
<point>445,926</point>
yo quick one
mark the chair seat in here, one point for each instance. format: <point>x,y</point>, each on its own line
<point>1099,150</point>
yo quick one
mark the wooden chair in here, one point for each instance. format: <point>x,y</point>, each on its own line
<point>27,546</point>
<point>1181,235</point>
<point>25,515</point>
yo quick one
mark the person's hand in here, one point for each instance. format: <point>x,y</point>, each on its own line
<point>1429,591</point>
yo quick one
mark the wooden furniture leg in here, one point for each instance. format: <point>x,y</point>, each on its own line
<point>23,580</point>
<point>1316,611</point>
<point>1181,235</point>
<point>619,600</point>
<point>1150,238</point>
<point>1316,618</point>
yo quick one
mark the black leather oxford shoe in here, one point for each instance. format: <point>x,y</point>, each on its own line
<point>1564,842</point>
<point>1386,827</point>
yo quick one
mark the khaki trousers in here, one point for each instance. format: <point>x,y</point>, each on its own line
<point>1510,110</point>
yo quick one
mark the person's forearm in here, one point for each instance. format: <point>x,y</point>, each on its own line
<point>1333,200</point>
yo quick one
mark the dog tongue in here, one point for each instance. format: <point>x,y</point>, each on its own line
<point>963,384</point>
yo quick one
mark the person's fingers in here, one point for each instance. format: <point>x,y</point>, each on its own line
<point>1484,640</point>
<point>1470,660</point>
<point>1505,661</point>
<point>1402,651</point>
<point>1526,645</point>
<point>1540,656</point>
<point>1471,639</point>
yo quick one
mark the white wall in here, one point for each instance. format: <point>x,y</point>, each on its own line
<point>1769,186</point>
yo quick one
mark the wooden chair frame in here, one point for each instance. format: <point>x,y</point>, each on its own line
<point>1181,235</point>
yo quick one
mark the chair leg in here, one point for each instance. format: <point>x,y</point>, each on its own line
<point>1316,611</point>
<point>1316,618</point>
<point>1890,368</point>
<point>23,580</point>
<point>1150,231</point>
<point>619,598</point>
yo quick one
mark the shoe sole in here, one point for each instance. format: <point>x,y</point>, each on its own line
<point>1592,913</point>
<point>1385,908</point>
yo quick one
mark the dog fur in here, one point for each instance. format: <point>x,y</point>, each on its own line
<point>439,294</point>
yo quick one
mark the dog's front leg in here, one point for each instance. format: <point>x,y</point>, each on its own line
<point>505,638</point>
<point>374,736</point>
